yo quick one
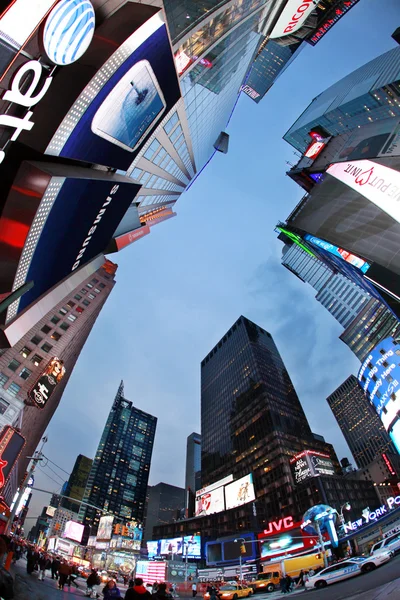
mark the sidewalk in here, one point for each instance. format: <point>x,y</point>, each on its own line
<point>28,587</point>
<point>389,591</point>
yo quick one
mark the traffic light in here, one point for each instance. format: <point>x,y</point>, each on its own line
<point>242,549</point>
<point>117,529</point>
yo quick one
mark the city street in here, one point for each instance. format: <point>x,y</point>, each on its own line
<point>352,587</point>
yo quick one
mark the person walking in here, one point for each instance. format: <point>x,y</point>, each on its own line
<point>44,564</point>
<point>161,593</point>
<point>194,589</point>
<point>64,572</point>
<point>111,590</point>
<point>55,565</point>
<point>73,577</point>
<point>31,560</point>
<point>300,581</point>
<point>138,591</point>
<point>289,583</point>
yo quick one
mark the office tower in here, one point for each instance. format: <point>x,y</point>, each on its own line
<point>76,484</point>
<point>60,519</point>
<point>119,475</point>
<point>359,423</point>
<point>62,332</point>
<point>368,94</point>
<point>166,503</point>
<point>193,470</point>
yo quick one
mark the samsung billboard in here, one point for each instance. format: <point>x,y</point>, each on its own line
<point>379,377</point>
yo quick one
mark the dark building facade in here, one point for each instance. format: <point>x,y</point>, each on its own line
<point>76,484</point>
<point>120,471</point>
<point>166,503</point>
<point>193,471</point>
<point>360,425</point>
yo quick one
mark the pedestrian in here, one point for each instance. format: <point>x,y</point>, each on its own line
<point>289,583</point>
<point>73,576</point>
<point>138,591</point>
<point>300,581</point>
<point>64,572</point>
<point>194,589</point>
<point>44,564</point>
<point>161,593</point>
<point>213,593</point>
<point>6,581</point>
<point>31,560</point>
<point>55,565</point>
<point>111,591</point>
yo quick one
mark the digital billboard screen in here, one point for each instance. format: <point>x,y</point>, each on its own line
<point>370,141</point>
<point>56,219</point>
<point>74,531</point>
<point>105,529</point>
<point>152,549</point>
<point>280,543</point>
<point>11,444</point>
<point>311,463</point>
<point>192,546</point>
<point>379,377</point>
<point>171,546</point>
<point>239,492</point>
<point>352,259</point>
<point>210,502</point>
<point>50,511</point>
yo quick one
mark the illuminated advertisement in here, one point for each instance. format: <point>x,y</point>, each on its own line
<point>377,183</point>
<point>311,463</point>
<point>151,570</point>
<point>41,392</point>
<point>192,546</point>
<point>68,218</point>
<point>128,238</point>
<point>354,260</point>
<point>330,18</point>
<point>65,547</point>
<point>293,16</point>
<point>152,549</point>
<point>240,492</point>
<point>105,529</point>
<point>210,502</point>
<point>11,444</point>
<point>379,377</point>
<point>50,511</point>
<point>73,531</point>
<point>371,141</point>
<point>285,540</point>
<point>171,546</point>
<point>227,550</point>
<point>121,105</point>
<point>51,544</point>
<point>92,541</point>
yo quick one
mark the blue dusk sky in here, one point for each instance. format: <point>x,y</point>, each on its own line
<point>180,288</point>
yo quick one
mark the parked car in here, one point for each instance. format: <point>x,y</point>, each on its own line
<point>346,569</point>
<point>391,544</point>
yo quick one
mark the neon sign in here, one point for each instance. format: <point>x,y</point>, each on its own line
<point>339,11</point>
<point>296,239</point>
<point>282,524</point>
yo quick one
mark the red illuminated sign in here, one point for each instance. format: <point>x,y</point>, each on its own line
<point>333,17</point>
<point>127,238</point>
<point>11,444</point>
<point>388,464</point>
<point>281,525</point>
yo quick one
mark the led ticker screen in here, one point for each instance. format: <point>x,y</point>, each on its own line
<point>379,376</point>
<point>333,16</point>
<point>352,259</point>
<point>240,492</point>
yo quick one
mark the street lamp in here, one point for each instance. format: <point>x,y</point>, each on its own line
<point>242,542</point>
<point>346,506</point>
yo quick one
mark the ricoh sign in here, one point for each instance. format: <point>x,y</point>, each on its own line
<point>293,16</point>
<point>67,34</point>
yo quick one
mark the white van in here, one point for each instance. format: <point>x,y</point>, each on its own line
<point>391,543</point>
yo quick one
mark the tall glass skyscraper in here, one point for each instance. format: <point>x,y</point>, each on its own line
<point>193,469</point>
<point>118,479</point>
<point>360,425</point>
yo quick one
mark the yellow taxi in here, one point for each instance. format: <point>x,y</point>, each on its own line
<point>231,591</point>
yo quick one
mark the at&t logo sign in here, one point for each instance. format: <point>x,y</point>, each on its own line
<point>67,34</point>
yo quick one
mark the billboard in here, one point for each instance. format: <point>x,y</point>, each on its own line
<point>64,547</point>
<point>240,492</point>
<point>40,393</point>
<point>376,182</point>
<point>352,259</point>
<point>51,544</point>
<point>105,528</point>
<point>210,502</point>
<point>379,377</point>
<point>152,549</point>
<point>119,94</point>
<point>192,546</point>
<point>51,511</point>
<point>73,531</point>
<point>57,218</point>
<point>310,463</point>
<point>293,16</point>
<point>11,444</point>
<point>215,485</point>
<point>370,141</point>
<point>171,546</point>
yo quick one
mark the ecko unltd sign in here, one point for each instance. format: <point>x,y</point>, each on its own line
<point>293,16</point>
<point>377,183</point>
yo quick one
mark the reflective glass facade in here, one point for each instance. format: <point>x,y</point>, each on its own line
<point>120,472</point>
<point>360,425</point>
<point>369,94</point>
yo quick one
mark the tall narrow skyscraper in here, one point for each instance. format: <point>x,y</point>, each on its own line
<point>118,479</point>
<point>193,470</point>
<point>360,425</point>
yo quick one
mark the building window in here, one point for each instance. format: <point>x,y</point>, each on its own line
<point>55,319</point>
<point>25,351</point>
<point>13,389</point>
<point>83,291</point>
<point>46,347</point>
<point>3,379</point>
<point>103,285</point>
<point>70,304</point>
<point>95,281</point>
<point>14,364</point>
<point>89,285</point>
<point>56,336</point>
<point>63,310</point>
<point>36,359</point>
<point>85,302</point>
<point>36,339</point>
<point>79,309</point>
<point>91,296</point>
<point>64,326</point>
<point>97,290</point>
<point>78,297</point>
<point>72,318</point>
<point>3,406</point>
<point>25,373</point>
<point>46,329</point>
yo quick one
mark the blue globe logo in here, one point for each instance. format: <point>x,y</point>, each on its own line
<point>69,30</point>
